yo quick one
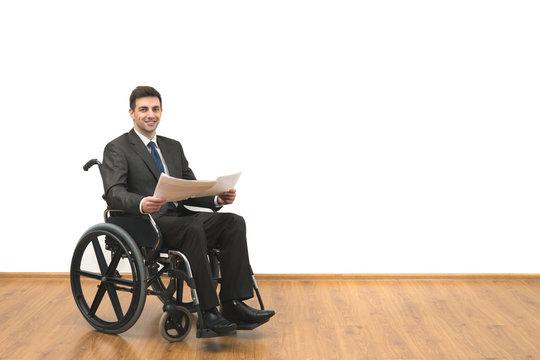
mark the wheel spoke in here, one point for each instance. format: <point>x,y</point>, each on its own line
<point>97,300</point>
<point>89,274</point>
<point>100,257</point>
<point>113,296</point>
<point>120,281</point>
<point>114,263</point>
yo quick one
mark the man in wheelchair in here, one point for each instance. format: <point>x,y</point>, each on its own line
<point>131,167</point>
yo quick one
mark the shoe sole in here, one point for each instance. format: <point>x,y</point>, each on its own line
<point>250,326</point>
<point>208,333</point>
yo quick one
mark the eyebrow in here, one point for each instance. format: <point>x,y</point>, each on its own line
<point>143,107</point>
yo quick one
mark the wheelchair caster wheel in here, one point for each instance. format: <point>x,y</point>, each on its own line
<point>176,331</point>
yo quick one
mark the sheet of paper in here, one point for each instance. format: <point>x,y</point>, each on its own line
<point>174,189</point>
<point>223,183</point>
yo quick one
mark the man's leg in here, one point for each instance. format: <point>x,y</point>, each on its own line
<point>186,234</point>
<point>194,235</point>
<point>227,232</point>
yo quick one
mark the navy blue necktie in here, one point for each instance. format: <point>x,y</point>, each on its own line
<point>157,159</point>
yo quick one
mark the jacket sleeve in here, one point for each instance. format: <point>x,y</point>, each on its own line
<point>114,172</point>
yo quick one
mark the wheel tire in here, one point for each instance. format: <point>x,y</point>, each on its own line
<point>173,332</point>
<point>94,246</point>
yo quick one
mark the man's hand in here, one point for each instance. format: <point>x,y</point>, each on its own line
<point>227,197</point>
<point>152,204</point>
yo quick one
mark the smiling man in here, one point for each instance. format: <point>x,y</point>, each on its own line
<point>132,164</point>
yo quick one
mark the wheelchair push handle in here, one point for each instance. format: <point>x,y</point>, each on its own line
<point>91,163</point>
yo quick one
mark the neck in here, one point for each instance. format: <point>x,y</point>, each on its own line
<point>146,134</point>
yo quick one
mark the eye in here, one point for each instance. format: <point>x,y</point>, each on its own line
<point>156,109</point>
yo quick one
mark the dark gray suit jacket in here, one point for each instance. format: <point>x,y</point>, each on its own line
<point>129,173</point>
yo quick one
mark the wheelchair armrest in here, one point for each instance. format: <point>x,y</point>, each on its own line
<point>111,212</point>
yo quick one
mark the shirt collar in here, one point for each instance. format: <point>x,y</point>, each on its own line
<point>145,140</point>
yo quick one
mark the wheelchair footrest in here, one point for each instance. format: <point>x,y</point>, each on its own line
<point>250,326</point>
<point>207,333</point>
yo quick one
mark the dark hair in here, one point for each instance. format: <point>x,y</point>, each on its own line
<point>142,91</point>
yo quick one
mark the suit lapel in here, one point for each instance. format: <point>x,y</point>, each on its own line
<point>142,151</point>
<point>167,151</point>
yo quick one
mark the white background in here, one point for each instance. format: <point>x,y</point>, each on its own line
<point>373,136</point>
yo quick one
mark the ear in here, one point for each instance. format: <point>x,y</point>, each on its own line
<point>132,114</point>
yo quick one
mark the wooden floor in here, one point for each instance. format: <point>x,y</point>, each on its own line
<point>316,319</point>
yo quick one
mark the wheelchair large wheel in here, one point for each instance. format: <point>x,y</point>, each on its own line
<point>108,278</point>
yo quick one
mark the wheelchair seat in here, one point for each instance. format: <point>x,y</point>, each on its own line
<point>138,227</point>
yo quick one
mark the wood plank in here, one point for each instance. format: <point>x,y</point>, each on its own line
<point>316,318</point>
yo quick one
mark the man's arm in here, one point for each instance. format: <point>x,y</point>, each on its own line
<point>114,172</point>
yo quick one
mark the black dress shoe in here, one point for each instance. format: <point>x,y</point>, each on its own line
<point>214,321</point>
<point>240,313</point>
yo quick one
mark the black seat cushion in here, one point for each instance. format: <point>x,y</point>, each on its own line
<point>138,227</point>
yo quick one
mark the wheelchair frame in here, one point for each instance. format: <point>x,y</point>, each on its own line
<point>112,245</point>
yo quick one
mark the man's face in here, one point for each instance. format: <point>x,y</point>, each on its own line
<point>146,115</point>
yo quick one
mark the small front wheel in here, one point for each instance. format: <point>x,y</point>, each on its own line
<point>175,331</point>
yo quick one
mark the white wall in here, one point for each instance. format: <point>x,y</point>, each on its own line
<point>373,136</point>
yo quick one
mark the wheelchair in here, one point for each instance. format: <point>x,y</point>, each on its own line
<point>117,263</point>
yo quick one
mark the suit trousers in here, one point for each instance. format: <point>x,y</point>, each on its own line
<point>197,233</point>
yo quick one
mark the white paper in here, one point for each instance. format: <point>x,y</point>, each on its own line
<point>174,189</point>
<point>223,184</point>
